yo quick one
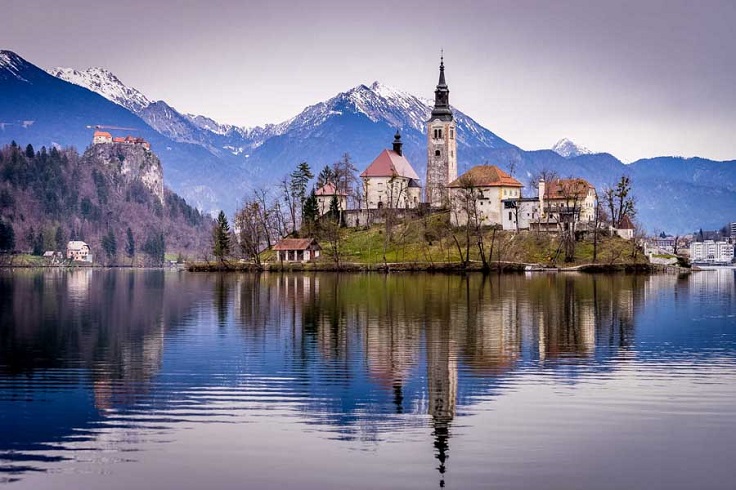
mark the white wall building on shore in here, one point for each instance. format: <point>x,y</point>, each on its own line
<point>712,252</point>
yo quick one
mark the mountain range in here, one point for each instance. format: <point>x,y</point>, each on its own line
<point>212,165</point>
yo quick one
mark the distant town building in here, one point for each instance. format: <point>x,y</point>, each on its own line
<point>390,181</point>
<point>665,243</point>
<point>477,196</point>
<point>326,193</point>
<point>712,252</point>
<point>78,250</point>
<point>441,145</point>
<point>733,229</point>
<point>297,250</point>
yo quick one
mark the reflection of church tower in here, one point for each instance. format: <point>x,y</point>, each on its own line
<point>442,380</point>
<point>441,145</point>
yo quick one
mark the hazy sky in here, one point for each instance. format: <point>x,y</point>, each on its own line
<point>634,78</point>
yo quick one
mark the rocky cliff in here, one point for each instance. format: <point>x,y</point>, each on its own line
<point>133,162</point>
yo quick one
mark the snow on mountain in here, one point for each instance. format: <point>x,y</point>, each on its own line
<point>388,105</point>
<point>104,83</point>
<point>12,64</point>
<point>568,149</point>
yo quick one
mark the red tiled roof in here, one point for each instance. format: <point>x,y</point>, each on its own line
<point>565,188</point>
<point>295,244</point>
<point>118,139</point>
<point>625,223</point>
<point>485,176</point>
<point>102,133</point>
<point>329,190</point>
<point>390,164</point>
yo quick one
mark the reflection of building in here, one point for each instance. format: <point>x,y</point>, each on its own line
<point>78,282</point>
<point>442,387</point>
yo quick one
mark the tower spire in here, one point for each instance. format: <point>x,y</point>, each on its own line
<point>442,95</point>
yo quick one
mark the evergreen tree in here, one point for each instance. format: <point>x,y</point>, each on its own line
<point>7,237</point>
<point>60,238</point>
<point>311,212</point>
<point>38,244</point>
<point>334,208</point>
<point>325,175</point>
<point>130,243</point>
<point>299,180</point>
<point>29,151</point>
<point>221,237</point>
<point>110,245</point>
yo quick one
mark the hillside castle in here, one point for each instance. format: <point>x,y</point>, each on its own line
<point>101,137</point>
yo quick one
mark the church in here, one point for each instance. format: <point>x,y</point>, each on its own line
<point>441,146</point>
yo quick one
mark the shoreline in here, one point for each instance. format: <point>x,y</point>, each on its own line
<point>442,267</point>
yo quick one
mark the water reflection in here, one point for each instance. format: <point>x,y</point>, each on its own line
<point>86,354</point>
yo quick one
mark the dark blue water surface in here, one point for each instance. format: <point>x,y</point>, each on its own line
<point>153,379</point>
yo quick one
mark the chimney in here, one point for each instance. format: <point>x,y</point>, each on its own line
<point>541,197</point>
<point>397,143</point>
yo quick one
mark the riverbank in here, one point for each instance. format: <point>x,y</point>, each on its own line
<point>505,267</point>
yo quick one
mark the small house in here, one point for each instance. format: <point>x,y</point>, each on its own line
<point>625,228</point>
<point>326,194</point>
<point>297,250</point>
<point>78,250</point>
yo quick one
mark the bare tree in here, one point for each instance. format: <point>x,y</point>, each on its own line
<point>619,201</point>
<point>251,232</point>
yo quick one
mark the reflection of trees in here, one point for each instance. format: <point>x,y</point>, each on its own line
<point>111,322</point>
<point>488,324</point>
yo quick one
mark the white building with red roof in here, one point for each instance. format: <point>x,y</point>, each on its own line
<point>390,181</point>
<point>478,195</point>
<point>326,193</point>
<point>101,137</point>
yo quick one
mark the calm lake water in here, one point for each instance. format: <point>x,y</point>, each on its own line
<point>153,379</point>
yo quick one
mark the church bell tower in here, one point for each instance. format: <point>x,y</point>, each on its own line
<point>441,145</point>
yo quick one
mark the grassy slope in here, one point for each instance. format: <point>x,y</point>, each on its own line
<point>430,240</point>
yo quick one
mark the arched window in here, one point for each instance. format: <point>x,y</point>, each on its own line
<point>437,153</point>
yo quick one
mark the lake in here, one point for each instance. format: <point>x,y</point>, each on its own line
<point>122,379</point>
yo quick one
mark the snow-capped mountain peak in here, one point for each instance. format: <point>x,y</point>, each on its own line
<point>12,63</point>
<point>568,149</point>
<point>106,84</point>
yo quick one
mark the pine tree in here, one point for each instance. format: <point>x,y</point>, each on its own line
<point>60,238</point>
<point>7,237</point>
<point>299,180</point>
<point>110,245</point>
<point>129,244</point>
<point>30,153</point>
<point>221,237</point>
<point>334,208</point>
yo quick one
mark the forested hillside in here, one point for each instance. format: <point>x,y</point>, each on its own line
<point>111,197</point>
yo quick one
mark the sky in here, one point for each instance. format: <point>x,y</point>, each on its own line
<point>636,79</point>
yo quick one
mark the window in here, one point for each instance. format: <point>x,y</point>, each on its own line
<point>437,153</point>
<point>452,134</point>
<point>510,219</point>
